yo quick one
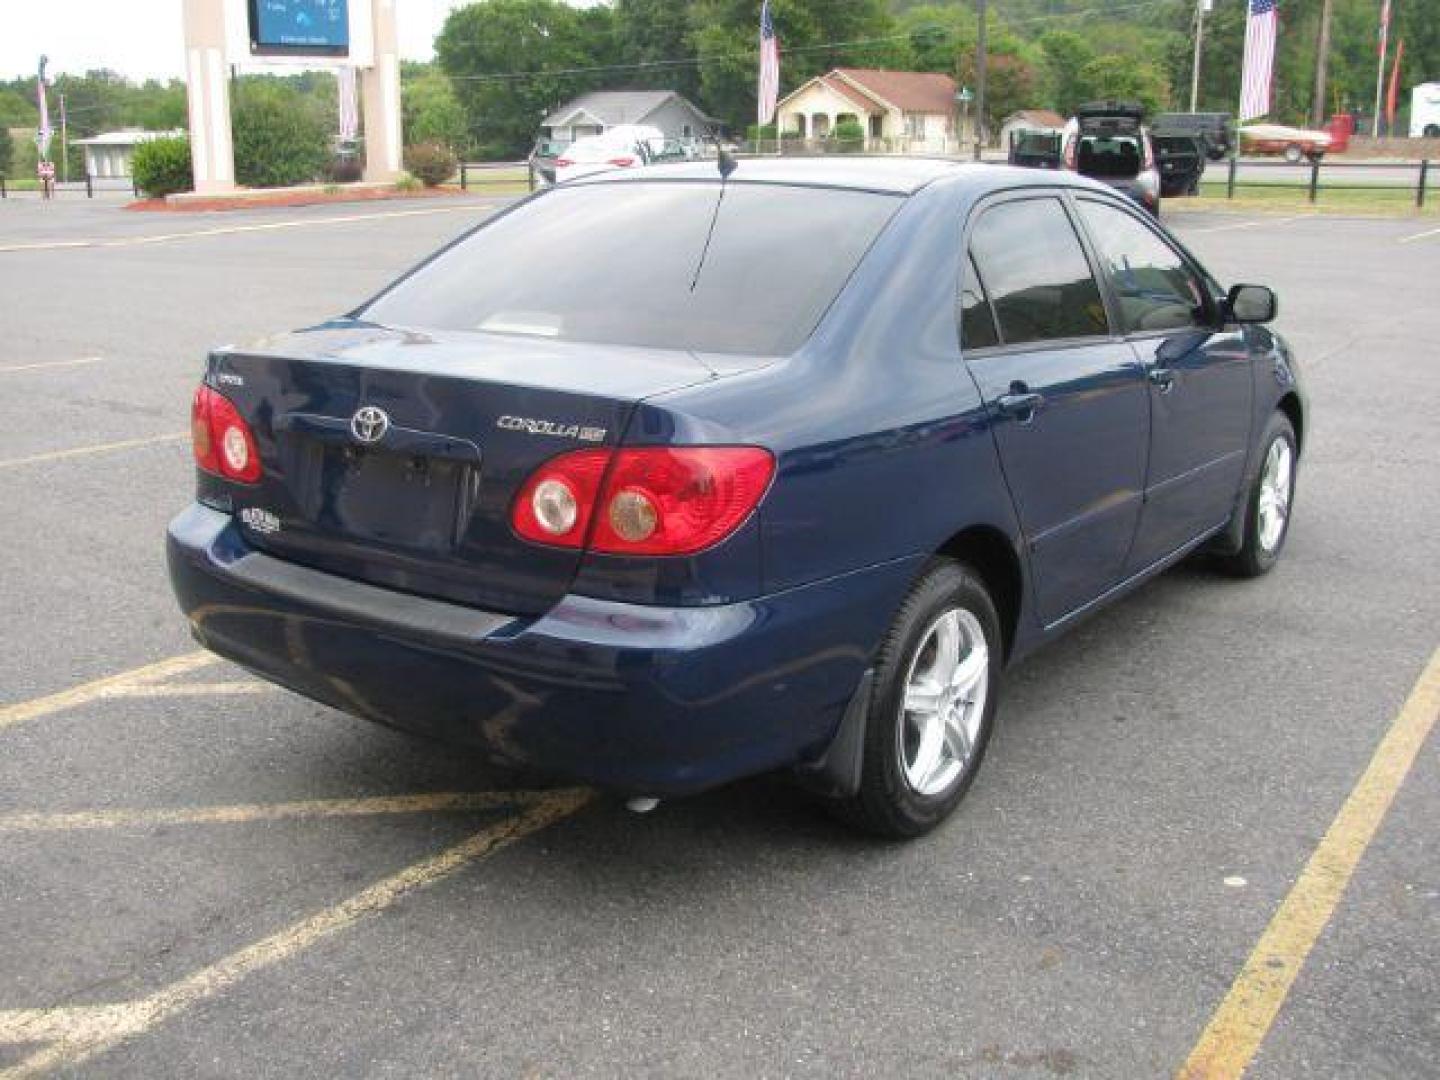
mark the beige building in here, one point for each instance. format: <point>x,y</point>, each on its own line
<point>899,111</point>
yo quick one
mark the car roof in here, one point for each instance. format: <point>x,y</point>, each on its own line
<point>891,175</point>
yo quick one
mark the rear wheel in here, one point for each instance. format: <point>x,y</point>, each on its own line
<point>1269,503</point>
<point>1432,131</point>
<point>1293,153</point>
<point>933,705</point>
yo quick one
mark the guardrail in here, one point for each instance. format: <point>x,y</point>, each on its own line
<point>491,172</point>
<point>1312,185</point>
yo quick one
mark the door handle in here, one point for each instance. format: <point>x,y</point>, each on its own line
<point>1020,405</point>
<point>1163,378</point>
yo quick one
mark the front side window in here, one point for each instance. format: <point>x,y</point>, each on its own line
<point>1036,273</point>
<point>663,264</point>
<point>1154,287</point>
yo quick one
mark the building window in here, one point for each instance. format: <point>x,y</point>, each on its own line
<point>686,131</point>
<point>915,125</point>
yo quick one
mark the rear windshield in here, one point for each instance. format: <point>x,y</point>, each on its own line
<point>638,264</point>
<point>1109,155</point>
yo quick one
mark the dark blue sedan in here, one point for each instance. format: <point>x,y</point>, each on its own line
<point>658,479</point>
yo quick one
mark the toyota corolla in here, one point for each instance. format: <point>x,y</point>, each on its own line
<point>773,470</point>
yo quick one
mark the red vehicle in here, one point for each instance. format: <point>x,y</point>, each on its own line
<point>1291,143</point>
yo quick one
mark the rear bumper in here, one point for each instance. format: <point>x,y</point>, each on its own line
<point>644,699</point>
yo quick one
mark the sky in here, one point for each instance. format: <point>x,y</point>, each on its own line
<point>142,39</point>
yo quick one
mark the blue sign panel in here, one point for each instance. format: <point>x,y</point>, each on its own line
<point>300,27</point>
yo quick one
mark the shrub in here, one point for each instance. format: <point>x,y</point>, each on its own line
<point>280,137</point>
<point>7,151</point>
<point>406,182</point>
<point>432,163</point>
<point>162,166</point>
<point>849,136</point>
<point>760,131</point>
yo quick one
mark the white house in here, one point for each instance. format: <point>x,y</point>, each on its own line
<point>111,153</point>
<point>908,111</point>
<point>593,113</point>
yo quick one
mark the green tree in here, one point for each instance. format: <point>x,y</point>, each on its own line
<point>1066,54</point>
<point>431,112</point>
<point>1117,77</point>
<point>512,61</point>
<point>16,110</point>
<point>280,135</point>
<point>655,33</point>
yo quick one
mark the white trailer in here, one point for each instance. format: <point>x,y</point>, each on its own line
<point>1425,111</point>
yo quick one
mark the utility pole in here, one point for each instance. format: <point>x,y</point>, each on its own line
<point>64,141</point>
<point>1201,7</point>
<point>981,57</point>
<point>1322,61</point>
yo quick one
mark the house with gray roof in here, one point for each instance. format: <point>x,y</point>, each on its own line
<point>593,113</point>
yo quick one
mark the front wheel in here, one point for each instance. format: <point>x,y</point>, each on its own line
<point>1269,503</point>
<point>932,708</point>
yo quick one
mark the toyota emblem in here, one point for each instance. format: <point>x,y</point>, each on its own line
<point>369,425</point>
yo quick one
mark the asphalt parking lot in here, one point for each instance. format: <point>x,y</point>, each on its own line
<point>202,875</point>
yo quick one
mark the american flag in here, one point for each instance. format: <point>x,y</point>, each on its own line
<point>769,67</point>
<point>1259,60</point>
<point>45,132</point>
<point>1384,26</point>
<point>349,107</point>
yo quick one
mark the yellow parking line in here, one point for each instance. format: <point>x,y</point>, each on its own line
<point>48,364</point>
<point>86,451</point>
<point>80,1034</point>
<point>206,689</point>
<point>428,803</point>
<point>229,230</point>
<point>1244,1018</point>
<point>86,692</point>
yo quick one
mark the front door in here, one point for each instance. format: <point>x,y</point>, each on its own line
<point>1067,399</point>
<point>1199,375</point>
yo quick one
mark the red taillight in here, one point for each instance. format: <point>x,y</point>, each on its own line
<point>654,500</point>
<point>622,162</point>
<point>561,161</point>
<point>222,440</point>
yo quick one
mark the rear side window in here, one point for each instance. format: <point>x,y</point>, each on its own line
<point>1036,273</point>
<point>1154,287</point>
<point>667,264</point>
<point>977,321</point>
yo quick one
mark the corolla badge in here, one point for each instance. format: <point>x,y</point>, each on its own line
<point>370,424</point>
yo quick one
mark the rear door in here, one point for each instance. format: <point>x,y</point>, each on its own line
<point>1198,373</point>
<point>1067,399</point>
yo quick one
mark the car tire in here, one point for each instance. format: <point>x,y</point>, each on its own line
<point>1432,131</point>
<point>1293,154</point>
<point>1272,493</point>
<point>944,645</point>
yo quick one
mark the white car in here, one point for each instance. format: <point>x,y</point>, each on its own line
<point>1425,111</point>
<point>621,147</point>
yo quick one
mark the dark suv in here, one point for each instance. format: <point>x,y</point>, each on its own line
<point>1215,129</point>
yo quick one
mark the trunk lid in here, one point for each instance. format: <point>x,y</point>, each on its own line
<point>425,506</point>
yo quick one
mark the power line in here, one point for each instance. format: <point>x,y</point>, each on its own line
<point>695,61</point>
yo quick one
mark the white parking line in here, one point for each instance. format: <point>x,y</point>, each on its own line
<point>49,364</point>
<point>1419,236</point>
<point>227,230</point>
<point>1244,225</point>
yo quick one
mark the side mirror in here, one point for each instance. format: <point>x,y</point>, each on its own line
<point>1251,304</point>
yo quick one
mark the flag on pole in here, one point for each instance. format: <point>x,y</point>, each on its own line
<point>1384,27</point>
<point>349,104</point>
<point>769,67</point>
<point>1259,60</point>
<point>1394,94</point>
<point>45,132</point>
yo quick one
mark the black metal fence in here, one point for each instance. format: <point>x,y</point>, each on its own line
<point>1398,177</point>
<point>87,187</point>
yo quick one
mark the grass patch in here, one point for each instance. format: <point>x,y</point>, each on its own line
<point>1380,201</point>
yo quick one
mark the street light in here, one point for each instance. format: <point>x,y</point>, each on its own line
<point>963,97</point>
